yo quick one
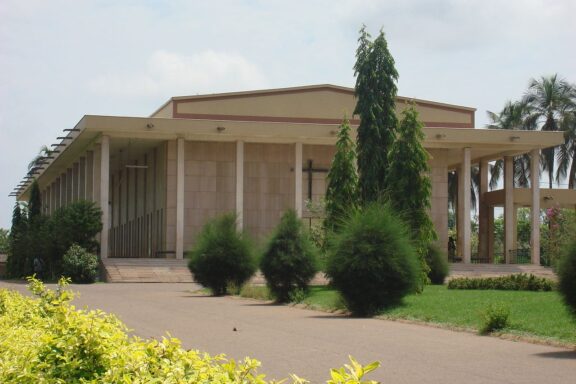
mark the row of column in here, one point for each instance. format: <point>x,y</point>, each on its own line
<point>76,183</point>
<point>180,175</point>
<point>486,213</point>
<point>87,179</point>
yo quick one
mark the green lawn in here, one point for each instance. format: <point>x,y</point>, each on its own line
<point>533,314</point>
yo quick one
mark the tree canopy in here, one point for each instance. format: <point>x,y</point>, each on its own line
<point>375,92</point>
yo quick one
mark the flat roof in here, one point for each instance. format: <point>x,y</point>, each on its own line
<point>485,144</point>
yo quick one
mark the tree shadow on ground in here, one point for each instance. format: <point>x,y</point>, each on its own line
<point>558,355</point>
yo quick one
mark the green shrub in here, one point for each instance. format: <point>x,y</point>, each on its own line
<point>494,318</point>
<point>567,276</point>
<point>372,262</point>
<point>222,256</point>
<point>289,261</point>
<point>516,282</point>
<point>46,340</point>
<point>80,265</point>
<point>438,263</point>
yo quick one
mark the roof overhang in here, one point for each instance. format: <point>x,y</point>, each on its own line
<point>563,198</point>
<point>484,144</point>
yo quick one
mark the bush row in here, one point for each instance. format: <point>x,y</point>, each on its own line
<point>516,282</point>
<point>49,238</point>
<point>371,259</point>
<point>45,340</point>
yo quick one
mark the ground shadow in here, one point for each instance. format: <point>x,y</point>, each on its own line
<point>266,304</point>
<point>558,355</point>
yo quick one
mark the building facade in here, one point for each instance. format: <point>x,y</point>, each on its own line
<point>158,179</point>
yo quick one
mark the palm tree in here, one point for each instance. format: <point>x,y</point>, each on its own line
<point>512,117</point>
<point>42,153</point>
<point>566,155</point>
<point>549,101</point>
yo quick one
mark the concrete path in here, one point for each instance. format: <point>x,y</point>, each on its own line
<point>309,343</point>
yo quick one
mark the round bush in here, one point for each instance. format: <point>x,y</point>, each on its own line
<point>567,276</point>
<point>289,261</point>
<point>80,265</point>
<point>438,264</point>
<point>372,262</point>
<point>222,256</point>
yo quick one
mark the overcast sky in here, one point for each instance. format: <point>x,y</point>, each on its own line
<point>62,59</point>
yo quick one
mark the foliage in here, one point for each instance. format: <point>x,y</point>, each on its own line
<point>46,340</point>
<point>556,232</point>
<point>437,261</point>
<point>34,203</point>
<point>549,100</point>
<point>289,261</point>
<point>548,105</point>
<point>222,256</point>
<point>4,241</point>
<point>16,265</point>
<point>375,93</point>
<point>48,238</point>
<point>77,223</point>
<point>409,186</point>
<point>80,265</point>
<point>567,276</point>
<point>494,318</point>
<point>516,282</point>
<point>372,262</point>
<point>341,195</point>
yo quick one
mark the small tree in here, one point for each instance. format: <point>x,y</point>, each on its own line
<point>290,259</point>
<point>567,276</point>
<point>372,262</point>
<point>222,256</point>
<point>375,93</point>
<point>409,186</point>
<point>80,265</point>
<point>77,223</point>
<point>34,202</point>
<point>4,241</point>
<point>15,265</point>
<point>341,196</point>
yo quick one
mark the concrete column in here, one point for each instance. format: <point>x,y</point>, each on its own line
<point>483,212</point>
<point>508,206</point>
<point>490,238</point>
<point>90,175</point>
<point>104,192</point>
<point>96,164</point>
<point>63,190</point>
<point>180,198</point>
<point>69,183</point>
<point>298,179</point>
<point>48,200</point>
<point>82,179</point>
<point>75,181</point>
<point>240,184</point>
<point>464,205</point>
<point>535,213</point>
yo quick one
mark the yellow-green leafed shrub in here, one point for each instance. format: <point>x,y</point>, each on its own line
<point>45,339</point>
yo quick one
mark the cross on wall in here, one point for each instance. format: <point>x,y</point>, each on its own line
<point>310,170</point>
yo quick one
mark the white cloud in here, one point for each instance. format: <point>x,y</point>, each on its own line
<point>170,74</point>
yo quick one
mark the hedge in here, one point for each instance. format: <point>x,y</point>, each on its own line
<point>44,339</point>
<point>516,282</point>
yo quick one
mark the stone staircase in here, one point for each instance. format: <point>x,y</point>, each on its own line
<point>146,271</point>
<point>485,270</point>
<point>176,271</point>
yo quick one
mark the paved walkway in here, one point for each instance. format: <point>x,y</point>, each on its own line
<point>309,343</point>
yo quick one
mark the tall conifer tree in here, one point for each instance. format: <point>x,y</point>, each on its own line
<point>375,93</point>
<point>341,195</point>
<point>408,183</point>
<point>16,254</point>
<point>34,203</point>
